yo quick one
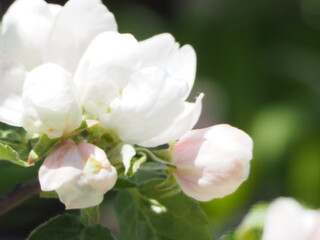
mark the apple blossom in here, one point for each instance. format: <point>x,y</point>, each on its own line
<point>139,89</point>
<point>286,219</point>
<point>50,104</point>
<point>34,32</point>
<point>212,162</point>
<point>12,77</point>
<point>80,174</point>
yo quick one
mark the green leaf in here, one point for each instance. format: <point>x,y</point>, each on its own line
<point>228,236</point>
<point>123,183</point>
<point>11,134</point>
<point>148,215</point>
<point>96,232</point>
<point>7,153</point>
<point>66,227</point>
<point>69,227</point>
<point>15,137</point>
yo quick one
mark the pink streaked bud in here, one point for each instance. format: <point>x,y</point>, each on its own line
<point>212,162</point>
<point>80,174</point>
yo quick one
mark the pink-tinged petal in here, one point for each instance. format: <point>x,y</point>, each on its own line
<point>212,162</point>
<point>98,171</point>
<point>61,166</point>
<point>78,193</point>
<point>12,77</point>
<point>25,28</point>
<point>286,219</point>
<point>183,123</point>
<point>80,174</point>
<point>75,27</point>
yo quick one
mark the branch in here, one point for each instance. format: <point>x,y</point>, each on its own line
<point>18,195</point>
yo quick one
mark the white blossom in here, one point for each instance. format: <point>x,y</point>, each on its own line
<point>34,32</point>
<point>50,102</point>
<point>212,162</point>
<point>143,87</point>
<point>287,219</point>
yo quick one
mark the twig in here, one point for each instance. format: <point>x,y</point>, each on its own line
<point>19,194</point>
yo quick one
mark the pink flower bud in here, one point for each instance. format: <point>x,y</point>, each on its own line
<point>80,174</point>
<point>212,162</point>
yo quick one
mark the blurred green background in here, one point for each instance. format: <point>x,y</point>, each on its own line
<point>259,66</point>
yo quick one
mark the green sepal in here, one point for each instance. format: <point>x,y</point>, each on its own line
<point>157,156</point>
<point>50,194</point>
<point>102,137</point>
<point>42,148</point>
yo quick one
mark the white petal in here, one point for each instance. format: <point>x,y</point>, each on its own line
<point>104,70</point>
<point>25,28</point>
<point>78,193</point>
<point>62,165</point>
<point>162,50</point>
<point>96,96</point>
<point>147,107</point>
<point>54,9</point>
<point>98,170</point>
<point>1,39</point>
<point>286,219</point>
<point>75,27</point>
<point>156,50</point>
<point>12,77</point>
<point>315,225</point>
<point>127,153</point>
<point>180,125</point>
<point>50,102</point>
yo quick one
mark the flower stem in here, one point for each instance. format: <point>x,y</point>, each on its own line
<point>18,195</point>
<point>154,157</point>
